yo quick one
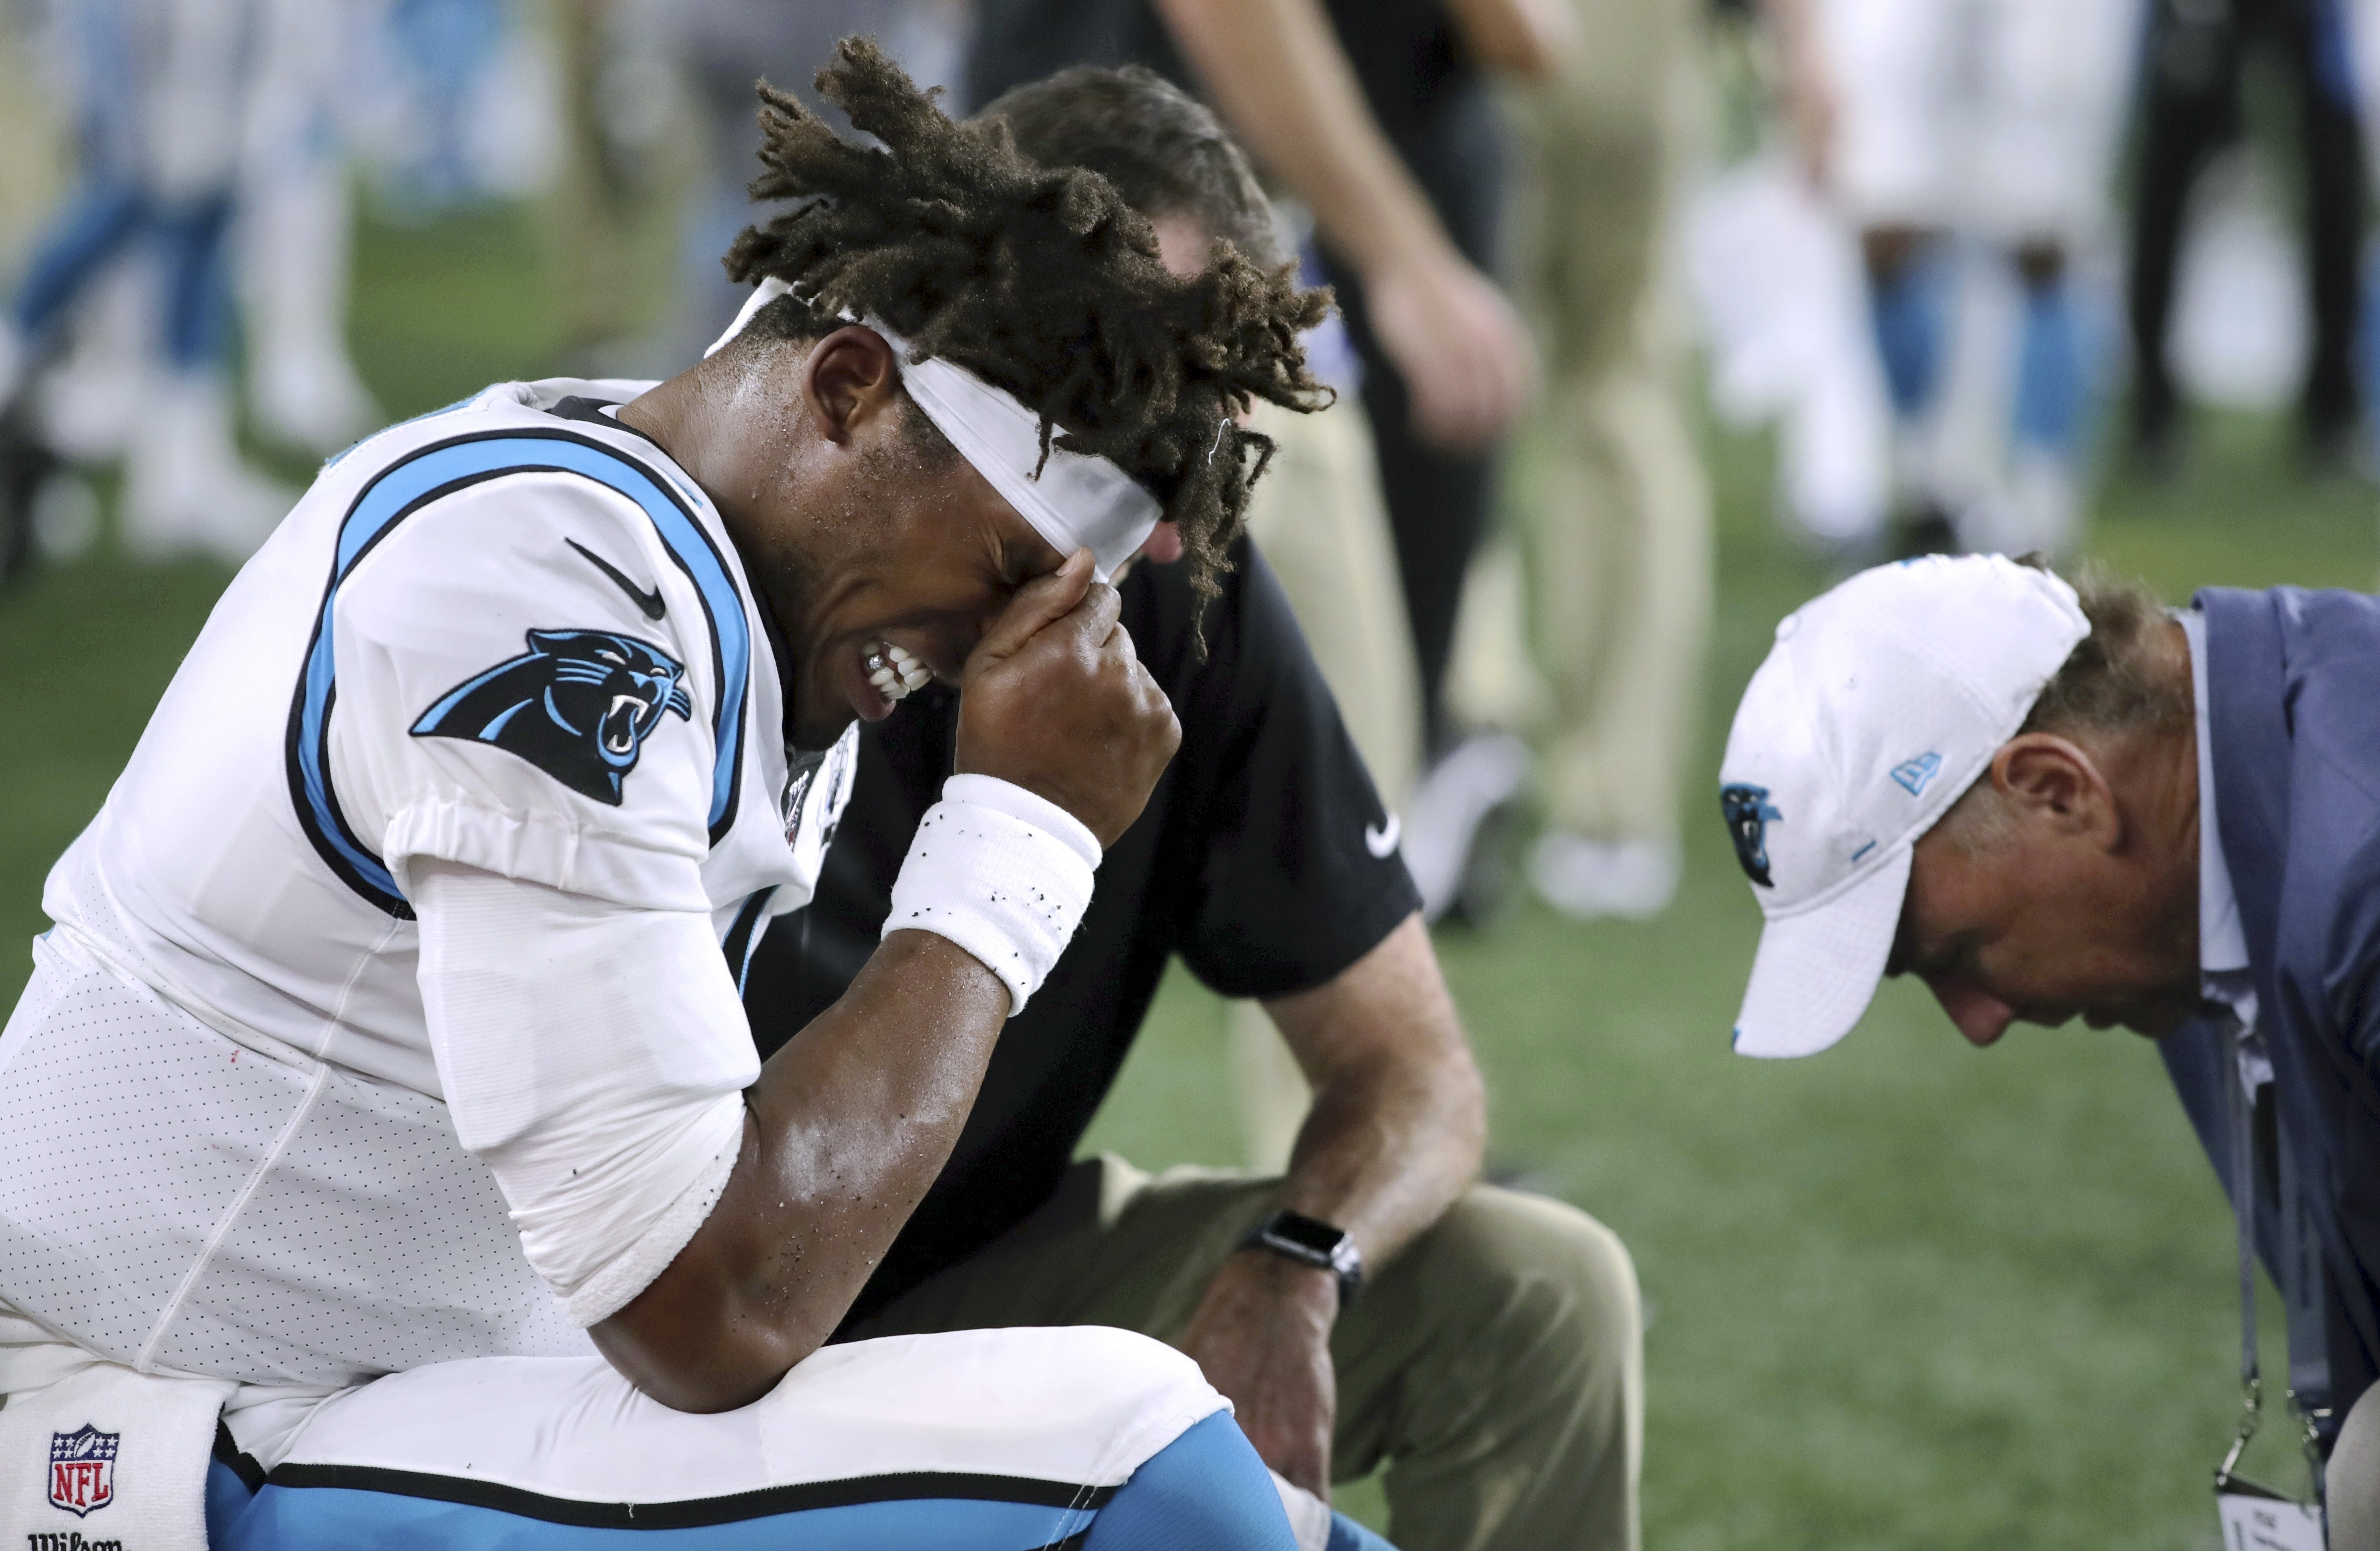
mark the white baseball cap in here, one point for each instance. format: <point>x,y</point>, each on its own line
<point>1880,704</point>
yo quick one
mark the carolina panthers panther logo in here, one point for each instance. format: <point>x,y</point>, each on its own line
<point>1749,813</point>
<point>578,706</point>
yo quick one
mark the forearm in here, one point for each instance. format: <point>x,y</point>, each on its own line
<point>1394,1136</point>
<point>1381,1159</point>
<point>849,1125</point>
<point>1399,1119</point>
<point>1276,72</point>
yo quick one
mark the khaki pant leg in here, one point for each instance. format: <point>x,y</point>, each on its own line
<point>1623,551</point>
<point>1496,1367</point>
<point>2352,1481</point>
<point>1619,506</point>
<point>37,170</point>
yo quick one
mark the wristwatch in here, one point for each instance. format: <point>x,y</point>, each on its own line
<point>1311,1241</point>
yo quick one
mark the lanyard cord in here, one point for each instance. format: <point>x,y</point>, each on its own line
<point>2238,1108</point>
<point>2243,1210</point>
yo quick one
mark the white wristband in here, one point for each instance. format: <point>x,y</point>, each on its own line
<point>1001,872</point>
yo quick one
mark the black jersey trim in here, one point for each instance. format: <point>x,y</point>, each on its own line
<point>694,1512</point>
<point>751,925</point>
<point>228,1454</point>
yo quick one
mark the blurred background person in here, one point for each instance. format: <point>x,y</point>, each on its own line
<point>2192,107</point>
<point>1780,287</point>
<point>1970,144</point>
<point>1609,486</point>
<point>627,169</point>
<point>33,178</point>
<point>296,215</point>
<point>158,92</point>
<point>720,47</point>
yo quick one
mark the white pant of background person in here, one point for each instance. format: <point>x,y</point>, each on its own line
<point>1994,116</point>
<point>1994,123</point>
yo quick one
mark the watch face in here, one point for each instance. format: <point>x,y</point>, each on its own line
<point>1307,1233</point>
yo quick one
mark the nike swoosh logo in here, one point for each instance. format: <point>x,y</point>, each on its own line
<point>649,601</point>
<point>1382,840</point>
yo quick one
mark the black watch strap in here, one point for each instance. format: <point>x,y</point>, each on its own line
<point>1311,1241</point>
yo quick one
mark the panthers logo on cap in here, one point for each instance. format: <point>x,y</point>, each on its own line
<point>579,705</point>
<point>1749,813</point>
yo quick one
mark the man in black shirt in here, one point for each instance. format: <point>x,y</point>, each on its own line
<point>1492,1358</point>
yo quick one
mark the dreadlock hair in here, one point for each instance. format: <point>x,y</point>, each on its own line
<point>1164,149</point>
<point>1041,281</point>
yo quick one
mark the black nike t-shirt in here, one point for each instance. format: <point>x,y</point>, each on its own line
<point>1254,861</point>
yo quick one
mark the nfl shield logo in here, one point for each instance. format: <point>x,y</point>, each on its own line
<point>82,1469</point>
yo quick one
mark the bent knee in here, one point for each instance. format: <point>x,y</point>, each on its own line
<point>1115,1397</point>
<point>1540,1262</point>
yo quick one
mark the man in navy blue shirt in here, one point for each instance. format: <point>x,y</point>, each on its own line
<point>2049,804</point>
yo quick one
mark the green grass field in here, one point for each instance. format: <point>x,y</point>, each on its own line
<point>1903,1294</point>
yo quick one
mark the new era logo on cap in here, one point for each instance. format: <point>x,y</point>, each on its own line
<point>1879,704</point>
<point>1915,774</point>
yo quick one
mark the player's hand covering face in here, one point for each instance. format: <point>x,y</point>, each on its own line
<point>879,548</point>
<point>913,570</point>
<point>1056,700</point>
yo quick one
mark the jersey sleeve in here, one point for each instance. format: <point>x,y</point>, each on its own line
<point>1298,873</point>
<point>593,1055</point>
<point>524,682</point>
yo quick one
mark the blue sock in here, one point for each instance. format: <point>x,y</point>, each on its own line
<point>2049,374</point>
<point>1909,313</point>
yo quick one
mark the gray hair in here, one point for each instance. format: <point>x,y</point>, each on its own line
<point>2119,681</point>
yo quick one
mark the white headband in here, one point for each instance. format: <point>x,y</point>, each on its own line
<point>1076,501</point>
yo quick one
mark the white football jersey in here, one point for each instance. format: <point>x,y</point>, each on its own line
<point>512,636</point>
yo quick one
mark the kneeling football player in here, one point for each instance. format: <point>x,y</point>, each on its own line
<point>381,1109</point>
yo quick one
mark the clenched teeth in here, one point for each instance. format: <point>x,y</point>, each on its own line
<point>895,672</point>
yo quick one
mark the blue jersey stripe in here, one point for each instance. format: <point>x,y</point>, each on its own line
<point>440,470</point>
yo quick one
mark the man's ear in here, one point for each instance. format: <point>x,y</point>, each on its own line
<point>851,375</point>
<point>2048,781</point>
